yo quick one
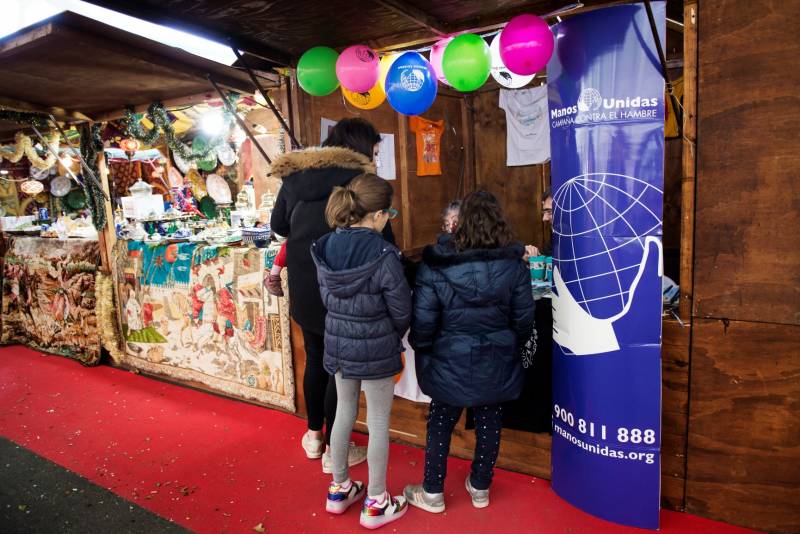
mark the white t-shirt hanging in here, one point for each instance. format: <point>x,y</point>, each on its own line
<point>527,127</point>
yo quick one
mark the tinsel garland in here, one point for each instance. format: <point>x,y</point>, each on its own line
<point>24,146</point>
<point>91,146</point>
<point>107,316</point>
<point>158,116</point>
<point>22,117</point>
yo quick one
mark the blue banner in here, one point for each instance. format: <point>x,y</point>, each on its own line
<point>606,97</point>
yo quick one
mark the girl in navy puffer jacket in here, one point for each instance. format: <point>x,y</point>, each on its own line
<point>368,305</point>
<point>472,307</point>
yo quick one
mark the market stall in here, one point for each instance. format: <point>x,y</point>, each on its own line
<point>171,283</point>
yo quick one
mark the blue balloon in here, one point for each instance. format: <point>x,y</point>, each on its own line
<point>411,84</point>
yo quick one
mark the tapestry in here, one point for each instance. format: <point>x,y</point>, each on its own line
<point>197,312</point>
<point>49,296</point>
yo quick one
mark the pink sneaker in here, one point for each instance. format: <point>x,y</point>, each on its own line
<point>339,499</point>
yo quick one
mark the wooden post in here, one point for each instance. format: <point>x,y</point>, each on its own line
<point>405,202</point>
<point>689,158</point>
<point>107,236</point>
<point>468,141</point>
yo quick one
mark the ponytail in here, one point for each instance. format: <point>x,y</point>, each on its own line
<point>365,194</point>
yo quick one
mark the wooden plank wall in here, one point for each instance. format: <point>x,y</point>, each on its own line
<point>744,439</point>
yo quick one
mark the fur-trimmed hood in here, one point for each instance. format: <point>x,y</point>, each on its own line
<point>320,158</point>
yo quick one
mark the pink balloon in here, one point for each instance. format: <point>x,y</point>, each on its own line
<point>357,68</point>
<point>437,53</point>
<point>526,44</point>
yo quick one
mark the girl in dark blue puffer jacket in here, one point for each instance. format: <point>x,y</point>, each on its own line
<point>472,307</point>
<point>368,305</point>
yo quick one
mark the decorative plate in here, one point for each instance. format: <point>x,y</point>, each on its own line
<point>218,189</point>
<point>39,174</point>
<point>226,154</point>
<point>60,186</point>
<point>76,199</point>
<point>175,178</point>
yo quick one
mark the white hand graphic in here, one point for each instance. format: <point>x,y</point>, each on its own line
<point>580,333</point>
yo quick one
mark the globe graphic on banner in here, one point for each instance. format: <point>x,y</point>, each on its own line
<point>602,225</point>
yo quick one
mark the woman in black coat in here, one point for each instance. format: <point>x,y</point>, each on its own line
<point>472,307</point>
<point>309,177</point>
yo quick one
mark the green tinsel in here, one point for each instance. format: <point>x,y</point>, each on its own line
<point>21,117</point>
<point>91,146</point>
<point>159,117</point>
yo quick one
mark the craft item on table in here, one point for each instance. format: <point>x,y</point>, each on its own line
<point>258,236</point>
<point>197,184</point>
<point>226,154</point>
<point>188,204</point>
<point>527,125</point>
<point>428,136</point>
<point>49,297</point>
<point>24,146</point>
<point>60,186</point>
<point>218,189</point>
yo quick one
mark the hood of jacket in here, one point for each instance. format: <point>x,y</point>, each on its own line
<point>478,276</point>
<point>347,282</point>
<point>320,158</point>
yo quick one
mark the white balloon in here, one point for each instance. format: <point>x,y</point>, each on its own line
<point>501,74</point>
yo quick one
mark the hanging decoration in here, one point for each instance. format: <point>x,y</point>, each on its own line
<point>526,44</point>
<point>157,114</point>
<point>91,146</point>
<point>129,146</point>
<point>22,117</point>
<point>24,146</point>
<point>437,51</point>
<point>386,63</point>
<point>357,68</point>
<point>500,72</point>
<point>466,62</point>
<point>377,94</point>
<point>316,71</point>
<point>411,84</point>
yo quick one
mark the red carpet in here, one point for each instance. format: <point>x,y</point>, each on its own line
<point>217,465</point>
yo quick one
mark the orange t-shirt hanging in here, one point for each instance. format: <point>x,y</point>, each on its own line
<point>429,145</point>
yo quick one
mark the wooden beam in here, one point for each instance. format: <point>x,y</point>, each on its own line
<point>181,21</point>
<point>191,100</point>
<point>415,14</point>
<point>107,236</point>
<point>689,159</point>
<point>59,113</point>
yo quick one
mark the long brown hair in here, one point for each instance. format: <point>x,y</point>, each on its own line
<point>481,223</point>
<point>365,194</point>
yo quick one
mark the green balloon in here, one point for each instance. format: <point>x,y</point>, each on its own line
<point>316,71</point>
<point>466,62</point>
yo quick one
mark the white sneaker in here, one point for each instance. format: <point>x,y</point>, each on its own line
<point>480,498</point>
<point>416,495</point>
<point>374,515</point>
<point>355,456</point>
<point>339,500</point>
<point>313,447</point>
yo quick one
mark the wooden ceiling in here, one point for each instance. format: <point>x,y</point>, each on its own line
<point>76,67</point>
<point>282,30</point>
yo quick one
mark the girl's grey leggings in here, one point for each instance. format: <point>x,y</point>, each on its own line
<point>379,394</point>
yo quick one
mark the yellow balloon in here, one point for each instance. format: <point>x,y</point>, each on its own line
<point>368,100</point>
<point>386,62</point>
<point>374,97</point>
